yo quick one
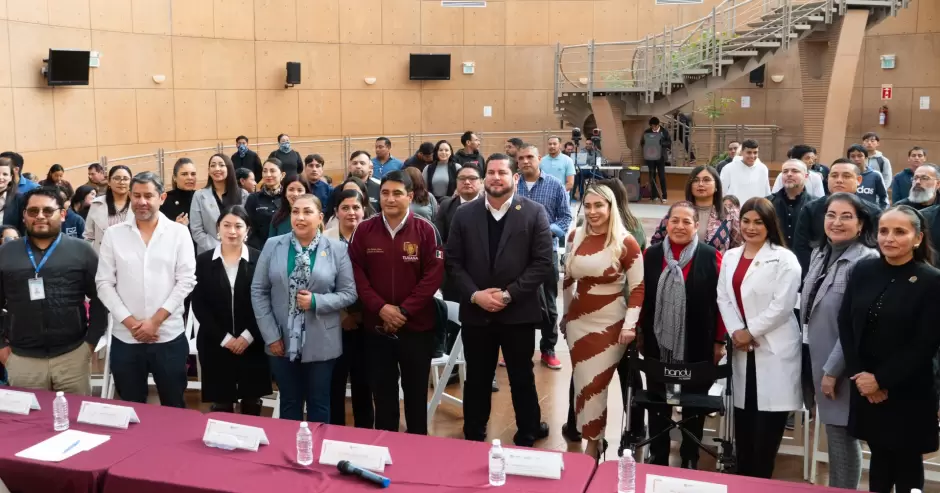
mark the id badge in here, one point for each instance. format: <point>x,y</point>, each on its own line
<point>36,289</point>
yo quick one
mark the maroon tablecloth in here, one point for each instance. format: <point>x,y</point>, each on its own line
<point>421,465</point>
<point>83,472</point>
<point>605,480</point>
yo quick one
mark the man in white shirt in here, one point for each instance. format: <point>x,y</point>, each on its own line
<point>746,176</point>
<point>557,164</point>
<point>146,268</point>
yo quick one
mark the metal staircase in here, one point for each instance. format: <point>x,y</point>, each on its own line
<point>662,72</point>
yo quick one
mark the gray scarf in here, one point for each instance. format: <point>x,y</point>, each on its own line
<point>669,321</point>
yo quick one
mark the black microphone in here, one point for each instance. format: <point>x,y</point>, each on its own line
<point>347,468</point>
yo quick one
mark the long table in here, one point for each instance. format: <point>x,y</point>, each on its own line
<point>84,472</point>
<point>421,464</point>
<point>605,480</point>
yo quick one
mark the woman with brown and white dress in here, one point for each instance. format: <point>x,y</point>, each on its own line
<point>599,320</point>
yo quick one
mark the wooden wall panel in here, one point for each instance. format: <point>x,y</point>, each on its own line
<point>357,22</point>
<point>34,11</point>
<point>278,112</point>
<point>234,19</point>
<point>489,67</point>
<point>614,20</point>
<point>528,110</point>
<point>387,63</point>
<point>6,76</point>
<point>318,21</point>
<point>213,63</point>
<point>904,23</point>
<point>237,114</point>
<point>401,111</point>
<point>755,115</point>
<point>32,46</point>
<point>784,108</point>
<point>925,124</point>
<point>527,23</point>
<point>115,116</point>
<point>441,25</point>
<point>156,120</point>
<point>928,16</point>
<point>441,111</point>
<point>530,67</point>
<point>153,17</point>
<point>67,13</point>
<point>655,18</point>
<point>195,114</point>
<point>111,15</point>
<point>473,103</point>
<point>399,24</point>
<point>194,18</point>
<point>899,115</point>
<point>362,112</point>
<point>131,60</point>
<point>570,22</point>
<point>918,63</point>
<point>855,127</point>
<point>274,20</point>
<point>319,65</point>
<point>7,127</point>
<point>485,26</point>
<point>320,112</point>
<point>74,110</point>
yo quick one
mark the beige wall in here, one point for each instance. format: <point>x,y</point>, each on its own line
<point>224,66</point>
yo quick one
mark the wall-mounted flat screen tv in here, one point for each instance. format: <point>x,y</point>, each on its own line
<point>67,68</point>
<point>429,67</point>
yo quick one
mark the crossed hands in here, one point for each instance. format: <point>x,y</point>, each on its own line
<point>868,387</point>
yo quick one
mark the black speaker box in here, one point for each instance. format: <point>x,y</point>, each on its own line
<point>293,73</point>
<point>757,76</point>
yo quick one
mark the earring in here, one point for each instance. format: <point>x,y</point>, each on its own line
<point>218,236</point>
<point>916,246</point>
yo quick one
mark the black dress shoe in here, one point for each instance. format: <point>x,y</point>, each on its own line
<point>529,440</point>
<point>570,433</point>
<point>542,431</point>
<point>689,464</point>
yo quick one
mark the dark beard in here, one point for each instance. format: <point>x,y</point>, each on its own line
<point>44,235</point>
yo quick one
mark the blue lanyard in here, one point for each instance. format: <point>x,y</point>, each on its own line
<point>32,259</point>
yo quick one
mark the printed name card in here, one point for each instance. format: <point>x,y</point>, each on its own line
<point>16,402</point>
<point>371,457</point>
<point>110,415</point>
<point>230,436</point>
<point>665,484</point>
<point>534,463</point>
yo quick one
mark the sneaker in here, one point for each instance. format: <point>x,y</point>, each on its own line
<point>495,385</point>
<point>551,361</point>
<point>791,422</point>
<point>502,362</point>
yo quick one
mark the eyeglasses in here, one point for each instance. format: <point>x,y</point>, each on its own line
<point>831,216</point>
<point>704,181</point>
<point>121,179</point>
<point>917,179</point>
<point>468,178</point>
<point>46,211</point>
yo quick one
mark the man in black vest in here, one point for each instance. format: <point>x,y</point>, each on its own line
<point>789,200</point>
<point>499,252</point>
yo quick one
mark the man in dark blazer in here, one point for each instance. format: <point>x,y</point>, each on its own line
<point>243,157</point>
<point>499,252</point>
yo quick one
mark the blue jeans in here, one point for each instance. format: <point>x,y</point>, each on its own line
<point>301,383</point>
<point>131,363</point>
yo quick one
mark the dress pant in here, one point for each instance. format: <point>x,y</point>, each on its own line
<point>550,326</point>
<point>67,372</point>
<point>903,470</point>
<point>758,433</point>
<point>657,168</point>
<point>407,355</point>
<point>481,349</point>
<point>166,361</point>
<point>688,450</point>
<point>353,365</point>
<point>303,383</point>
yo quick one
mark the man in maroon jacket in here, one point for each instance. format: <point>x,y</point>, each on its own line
<point>398,266</point>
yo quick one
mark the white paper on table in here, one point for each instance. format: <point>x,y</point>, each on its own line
<point>247,437</point>
<point>63,446</point>
<point>110,415</point>
<point>665,484</point>
<point>371,457</point>
<point>534,463</point>
<point>16,402</point>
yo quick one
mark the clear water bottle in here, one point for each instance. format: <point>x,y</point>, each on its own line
<point>626,473</point>
<point>60,412</point>
<point>497,465</point>
<point>304,445</point>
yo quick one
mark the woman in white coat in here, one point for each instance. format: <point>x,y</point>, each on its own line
<point>221,192</point>
<point>757,290</point>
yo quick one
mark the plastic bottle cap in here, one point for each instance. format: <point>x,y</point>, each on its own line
<point>60,394</point>
<point>303,424</point>
<point>628,453</point>
<point>496,442</point>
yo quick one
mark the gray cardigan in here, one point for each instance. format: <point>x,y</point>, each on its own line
<point>203,213</point>
<point>331,283</point>
<point>824,347</point>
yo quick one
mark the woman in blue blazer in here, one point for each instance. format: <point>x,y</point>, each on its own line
<point>301,283</point>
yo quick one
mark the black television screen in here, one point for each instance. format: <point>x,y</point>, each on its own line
<point>67,68</point>
<point>430,67</point>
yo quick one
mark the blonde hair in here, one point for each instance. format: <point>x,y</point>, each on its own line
<point>616,231</point>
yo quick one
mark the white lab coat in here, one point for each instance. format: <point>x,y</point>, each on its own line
<point>768,293</point>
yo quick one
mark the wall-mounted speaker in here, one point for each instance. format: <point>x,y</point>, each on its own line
<point>757,76</point>
<point>293,73</point>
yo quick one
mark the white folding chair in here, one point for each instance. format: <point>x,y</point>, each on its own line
<point>448,362</point>
<point>103,380</point>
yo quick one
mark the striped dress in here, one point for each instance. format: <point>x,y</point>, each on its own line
<point>596,309</point>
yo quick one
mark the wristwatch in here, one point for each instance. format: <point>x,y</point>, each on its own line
<point>506,298</point>
<point>403,311</point>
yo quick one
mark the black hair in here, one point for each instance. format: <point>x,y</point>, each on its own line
<point>868,235</point>
<point>79,197</point>
<point>14,181</point>
<point>398,176</point>
<point>337,191</point>
<point>275,161</point>
<point>471,167</point>
<point>427,148</point>
<point>339,198</point>
<point>496,156</point>
<point>109,195</point>
<point>750,144</point>
<point>241,137</point>
<point>733,199</point>
<point>683,204</point>
<point>388,143</point>
<point>281,135</point>
<point>516,142</point>
<point>768,214</point>
<point>17,158</point>
<point>233,195</point>
<point>654,121</point>
<point>97,167</point>
<point>871,135</point>
<point>856,148</point>
<point>569,143</point>
<point>917,148</point>
<point>242,174</point>
<point>843,160</point>
<point>356,154</point>
<point>55,168</point>
<point>148,177</point>
<point>800,150</point>
<point>924,252</point>
<point>44,191</point>
<point>466,137</point>
<point>314,157</point>
<point>6,227</point>
<point>179,164</point>
<point>418,186</point>
<point>235,210</point>
<point>283,212</point>
<point>716,197</point>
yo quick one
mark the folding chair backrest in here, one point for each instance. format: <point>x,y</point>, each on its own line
<point>701,373</point>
